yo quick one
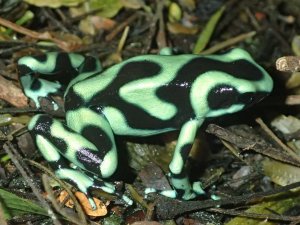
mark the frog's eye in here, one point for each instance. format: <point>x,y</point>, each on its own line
<point>222,97</point>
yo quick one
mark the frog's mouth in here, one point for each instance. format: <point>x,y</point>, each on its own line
<point>251,98</point>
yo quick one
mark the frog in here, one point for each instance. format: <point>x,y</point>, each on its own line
<point>142,96</point>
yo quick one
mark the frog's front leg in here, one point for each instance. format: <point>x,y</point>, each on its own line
<point>178,174</point>
<point>54,139</point>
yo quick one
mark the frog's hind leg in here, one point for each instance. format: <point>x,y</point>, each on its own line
<point>101,159</point>
<point>54,140</point>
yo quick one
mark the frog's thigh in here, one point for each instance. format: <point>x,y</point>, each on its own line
<point>95,128</point>
<point>53,140</point>
<point>178,172</point>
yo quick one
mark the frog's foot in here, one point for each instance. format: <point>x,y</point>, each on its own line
<point>85,184</point>
<point>181,194</point>
<point>167,193</point>
<point>110,188</point>
<point>197,188</point>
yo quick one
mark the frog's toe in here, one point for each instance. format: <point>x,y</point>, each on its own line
<point>197,188</point>
<point>167,193</point>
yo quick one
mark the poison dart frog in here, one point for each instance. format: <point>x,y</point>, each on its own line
<point>142,96</point>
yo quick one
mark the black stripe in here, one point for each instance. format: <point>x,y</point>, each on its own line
<point>240,68</point>
<point>90,159</point>
<point>90,64</point>
<point>35,85</point>
<point>222,96</point>
<point>185,151</point>
<point>98,137</point>
<point>72,100</point>
<point>42,127</point>
<point>129,72</point>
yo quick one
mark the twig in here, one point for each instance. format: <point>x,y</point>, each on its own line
<point>20,110</point>
<point>229,42</point>
<point>36,35</point>
<point>25,172</point>
<point>2,217</point>
<point>161,34</point>
<point>79,220</point>
<point>254,215</point>
<point>244,143</point>
<point>169,208</point>
<point>121,26</point>
<point>63,185</point>
<point>276,139</point>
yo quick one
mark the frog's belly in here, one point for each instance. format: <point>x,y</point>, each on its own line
<point>124,126</point>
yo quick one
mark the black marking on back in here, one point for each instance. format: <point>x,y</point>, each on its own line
<point>90,64</point>
<point>222,96</point>
<point>134,115</point>
<point>73,101</point>
<point>176,92</point>
<point>240,68</point>
<point>62,72</point>
<point>139,69</point>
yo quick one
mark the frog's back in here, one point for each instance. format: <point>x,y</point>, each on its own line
<point>153,93</point>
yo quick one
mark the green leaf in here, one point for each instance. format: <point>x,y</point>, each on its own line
<point>208,30</point>
<point>54,3</point>
<point>278,206</point>
<point>14,205</point>
<point>108,8</point>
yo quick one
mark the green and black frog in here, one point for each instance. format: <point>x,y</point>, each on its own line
<point>142,96</point>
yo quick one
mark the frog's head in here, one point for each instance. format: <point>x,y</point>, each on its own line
<point>239,84</point>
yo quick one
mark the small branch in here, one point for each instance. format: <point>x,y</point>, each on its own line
<point>229,42</point>
<point>169,208</point>
<point>121,27</point>
<point>268,131</point>
<point>246,144</point>
<point>25,172</point>
<point>36,35</point>
<point>255,215</point>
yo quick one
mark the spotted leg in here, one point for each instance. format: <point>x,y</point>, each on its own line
<point>54,139</point>
<point>178,175</point>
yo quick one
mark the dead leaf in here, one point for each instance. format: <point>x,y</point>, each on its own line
<point>101,208</point>
<point>11,93</point>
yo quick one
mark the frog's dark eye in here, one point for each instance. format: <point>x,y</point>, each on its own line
<point>222,97</point>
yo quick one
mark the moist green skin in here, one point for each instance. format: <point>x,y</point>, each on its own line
<point>142,96</point>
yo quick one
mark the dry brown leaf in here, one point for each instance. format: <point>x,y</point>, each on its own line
<point>11,93</point>
<point>177,28</point>
<point>101,208</point>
